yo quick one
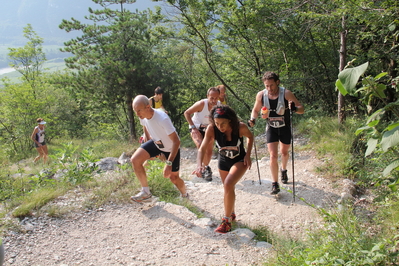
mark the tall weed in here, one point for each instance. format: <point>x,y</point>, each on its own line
<point>331,141</point>
<point>343,241</point>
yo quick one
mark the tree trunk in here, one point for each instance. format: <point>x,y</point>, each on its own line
<point>130,113</point>
<point>342,62</point>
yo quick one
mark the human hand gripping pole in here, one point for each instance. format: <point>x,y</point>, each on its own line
<point>252,121</point>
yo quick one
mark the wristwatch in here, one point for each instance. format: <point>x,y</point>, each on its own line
<point>168,163</point>
<point>191,127</point>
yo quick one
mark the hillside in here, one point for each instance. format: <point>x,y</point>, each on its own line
<point>156,233</point>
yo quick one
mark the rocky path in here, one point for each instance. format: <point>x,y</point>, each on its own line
<point>166,234</point>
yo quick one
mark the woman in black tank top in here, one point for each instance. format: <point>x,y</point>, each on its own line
<point>228,133</point>
<point>39,142</point>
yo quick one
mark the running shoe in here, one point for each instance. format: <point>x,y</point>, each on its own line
<point>284,177</point>
<point>224,227</point>
<point>186,197</point>
<point>139,197</point>
<point>207,174</point>
<point>233,217</point>
<point>275,188</point>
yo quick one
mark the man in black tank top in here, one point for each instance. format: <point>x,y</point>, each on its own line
<point>278,102</point>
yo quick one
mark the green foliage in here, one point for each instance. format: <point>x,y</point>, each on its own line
<point>14,187</point>
<point>160,186</point>
<point>114,61</point>
<point>347,79</point>
<point>28,60</point>
<point>76,167</point>
<point>111,188</point>
<point>262,233</point>
<point>22,103</point>
<point>331,141</point>
<point>343,241</point>
<point>37,199</point>
<point>380,130</point>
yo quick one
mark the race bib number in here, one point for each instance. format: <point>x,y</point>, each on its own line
<point>276,122</point>
<point>230,151</point>
<point>159,144</point>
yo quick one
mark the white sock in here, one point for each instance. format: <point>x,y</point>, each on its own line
<point>146,190</point>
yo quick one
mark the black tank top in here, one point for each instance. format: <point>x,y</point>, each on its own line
<point>273,106</point>
<point>229,149</point>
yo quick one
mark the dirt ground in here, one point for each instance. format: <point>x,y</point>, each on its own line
<point>157,233</point>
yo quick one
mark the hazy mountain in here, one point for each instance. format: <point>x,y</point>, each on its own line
<point>45,17</point>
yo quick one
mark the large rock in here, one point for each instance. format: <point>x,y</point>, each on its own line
<point>107,164</point>
<point>124,158</point>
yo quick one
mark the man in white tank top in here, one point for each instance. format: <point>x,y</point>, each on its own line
<point>197,117</point>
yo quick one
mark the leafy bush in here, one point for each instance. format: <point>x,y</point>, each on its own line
<point>343,241</point>
<point>77,167</point>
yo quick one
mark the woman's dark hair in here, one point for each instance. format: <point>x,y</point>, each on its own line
<point>39,120</point>
<point>158,90</point>
<point>228,113</point>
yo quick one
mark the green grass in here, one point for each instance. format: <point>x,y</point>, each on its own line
<point>349,237</point>
<point>343,241</point>
<point>35,200</point>
<point>331,141</point>
<point>32,192</point>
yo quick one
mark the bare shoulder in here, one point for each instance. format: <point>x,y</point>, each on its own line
<point>289,95</point>
<point>243,128</point>
<point>259,95</point>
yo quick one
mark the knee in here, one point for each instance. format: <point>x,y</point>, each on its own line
<point>136,160</point>
<point>174,178</point>
<point>228,187</point>
<point>273,157</point>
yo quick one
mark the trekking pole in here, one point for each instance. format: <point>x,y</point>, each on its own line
<point>256,156</point>
<point>292,156</point>
<point>257,163</point>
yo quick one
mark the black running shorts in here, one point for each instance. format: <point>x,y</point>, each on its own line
<point>153,150</point>
<point>225,163</point>
<point>282,134</point>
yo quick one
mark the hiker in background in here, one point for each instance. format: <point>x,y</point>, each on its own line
<point>38,139</point>
<point>197,117</point>
<point>156,103</point>
<point>233,161</point>
<point>156,100</point>
<point>163,142</point>
<point>223,95</point>
<point>277,102</point>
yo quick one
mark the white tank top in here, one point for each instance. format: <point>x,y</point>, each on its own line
<point>40,135</point>
<point>201,118</point>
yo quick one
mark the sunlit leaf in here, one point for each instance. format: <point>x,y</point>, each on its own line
<point>394,186</point>
<point>376,115</point>
<point>373,123</point>
<point>350,76</point>
<point>340,87</point>
<point>380,91</point>
<point>361,129</point>
<point>390,138</point>
<point>390,127</point>
<point>383,74</point>
<point>371,145</point>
